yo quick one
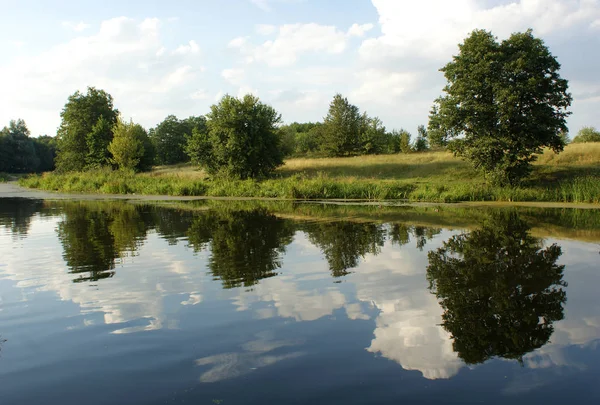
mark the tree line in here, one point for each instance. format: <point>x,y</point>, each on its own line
<point>502,104</point>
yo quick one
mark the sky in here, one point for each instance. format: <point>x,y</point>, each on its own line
<point>158,58</point>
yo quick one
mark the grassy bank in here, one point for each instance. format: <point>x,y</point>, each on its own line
<point>572,176</point>
<point>4,177</point>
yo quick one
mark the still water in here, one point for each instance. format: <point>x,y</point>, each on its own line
<point>248,303</point>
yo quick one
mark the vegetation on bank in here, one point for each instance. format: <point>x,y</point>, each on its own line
<point>572,176</point>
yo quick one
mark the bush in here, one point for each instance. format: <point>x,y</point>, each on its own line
<point>587,134</point>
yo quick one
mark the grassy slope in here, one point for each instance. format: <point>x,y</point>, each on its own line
<point>572,176</point>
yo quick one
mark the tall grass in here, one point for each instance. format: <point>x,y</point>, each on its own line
<point>573,176</point>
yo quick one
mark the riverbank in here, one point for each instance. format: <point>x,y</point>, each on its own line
<point>570,177</point>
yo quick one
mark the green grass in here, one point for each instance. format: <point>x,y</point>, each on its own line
<point>572,176</point>
<point>4,177</point>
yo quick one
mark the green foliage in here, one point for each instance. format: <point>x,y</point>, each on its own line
<point>85,130</point>
<point>45,149</point>
<point>19,153</point>
<point>504,102</point>
<point>404,141</point>
<point>500,289</point>
<point>341,132</point>
<point>128,146</point>
<point>372,135</point>
<point>587,134</point>
<point>170,138</point>
<point>421,143</point>
<point>242,140</point>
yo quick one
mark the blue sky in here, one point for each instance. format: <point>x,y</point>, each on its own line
<point>157,58</point>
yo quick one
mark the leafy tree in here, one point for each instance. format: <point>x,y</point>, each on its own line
<point>17,152</point>
<point>128,146</point>
<point>309,142</point>
<point>373,135</point>
<point>170,138</point>
<point>242,139</point>
<point>404,138</point>
<point>421,144</point>
<point>587,134</point>
<point>45,149</point>
<point>504,102</point>
<point>85,130</point>
<point>341,131</point>
<point>500,289</point>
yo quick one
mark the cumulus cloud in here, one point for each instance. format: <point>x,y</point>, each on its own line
<point>292,41</point>
<point>357,30</point>
<point>233,76</point>
<point>125,57</point>
<point>77,27</point>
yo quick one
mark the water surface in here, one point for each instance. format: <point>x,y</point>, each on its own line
<point>254,303</point>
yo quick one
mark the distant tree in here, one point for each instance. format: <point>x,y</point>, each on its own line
<point>341,131</point>
<point>587,134</point>
<point>241,140</point>
<point>128,147</point>
<point>45,149</point>
<point>309,142</point>
<point>287,140</point>
<point>392,141</point>
<point>564,135</point>
<point>17,152</point>
<point>85,130</point>
<point>504,102</point>
<point>421,144</point>
<point>404,138</point>
<point>373,135</point>
<point>169,139</point>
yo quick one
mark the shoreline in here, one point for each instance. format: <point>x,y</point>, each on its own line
<point>14,190</point>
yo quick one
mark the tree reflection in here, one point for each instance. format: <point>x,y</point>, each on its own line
<point>500,288</point>
<point>16,214</point>
<point>246,246</point>
<point>94,235</point>
<point>344,243</point>
<point>400,234</point>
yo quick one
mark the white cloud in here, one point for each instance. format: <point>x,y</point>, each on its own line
<point>381,86</point>
<point>191,47</point>
<point>77,27</point>
<point>359,30</point>
<point>199,95</point>
<point>125,57</point>
<point>233,76</point>
<point>244,90</point>
<point>266,29</point>
<point>292,41</point>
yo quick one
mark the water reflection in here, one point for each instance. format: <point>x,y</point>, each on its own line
<point>245,246</point>
<point>500,289</point>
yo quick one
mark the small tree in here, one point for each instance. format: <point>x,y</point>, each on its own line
<point>373,135</point>
<point>341,132</point>
<point>127,146</point>
<point>241,140</point>
<point>404,138</point>
<point>421,144</point>
<point>504,102</point>
<point>587,134</point>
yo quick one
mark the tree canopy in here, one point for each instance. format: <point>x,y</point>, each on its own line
<point>587,134</point>
<point>86,130</point>
<point>20,153</point>
<point>170,138</point>
<point>131,147</point>
<point>504,102</point>
<point>241,140</point>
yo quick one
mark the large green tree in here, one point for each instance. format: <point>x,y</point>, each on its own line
<point>504,102</point>
<point>501,289</point>
<point>86,130</point>
<point>241,141</point>
<point>17,150</point>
